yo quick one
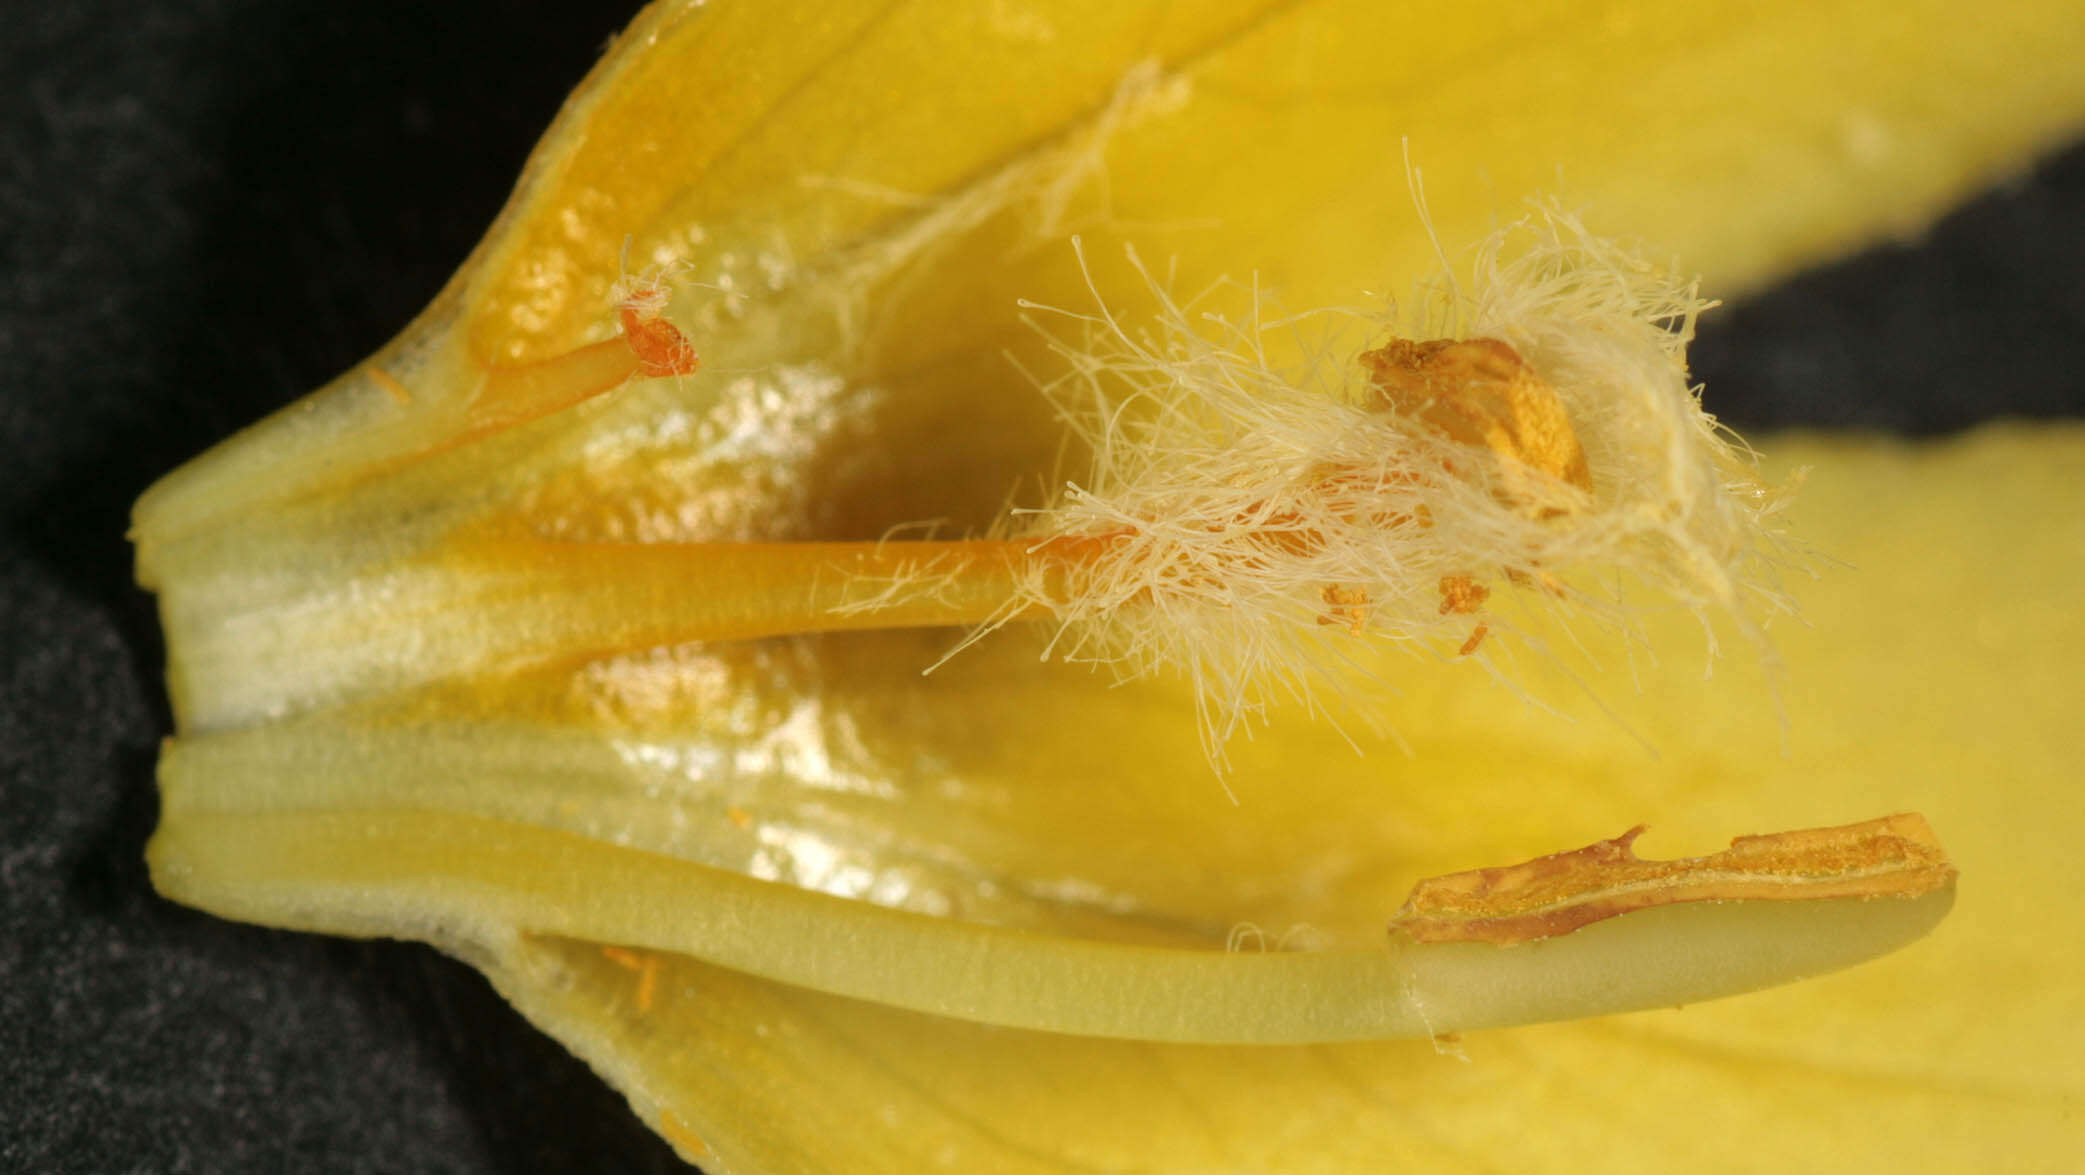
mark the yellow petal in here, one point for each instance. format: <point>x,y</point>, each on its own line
<point>793,161</point>
<point>1916,682</point>
<point>352,637</point>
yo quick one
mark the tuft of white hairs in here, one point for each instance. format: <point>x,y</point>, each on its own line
<point>1208,539</point>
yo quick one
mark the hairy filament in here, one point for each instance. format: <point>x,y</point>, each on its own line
<point>1523,434</point>
<point>1531,428</point>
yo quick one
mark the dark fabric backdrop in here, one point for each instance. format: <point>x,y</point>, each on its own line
<point>207,209</point>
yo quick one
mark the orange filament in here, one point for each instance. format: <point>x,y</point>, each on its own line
<point>745,590</point>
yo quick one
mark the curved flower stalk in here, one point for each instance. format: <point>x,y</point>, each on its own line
<point>540,640</point>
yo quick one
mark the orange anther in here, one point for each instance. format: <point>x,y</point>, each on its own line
<point>1346,605</point>
<point>647,983</point>
<point>659,345</point>
<point>1476,638</point>
<point>677,1132</point>
<point>1481,392</point>
<point>1461,595</point>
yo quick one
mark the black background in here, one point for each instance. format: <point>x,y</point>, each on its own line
<point>208,209</point>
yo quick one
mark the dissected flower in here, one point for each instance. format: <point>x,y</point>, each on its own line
<point>571,633</point>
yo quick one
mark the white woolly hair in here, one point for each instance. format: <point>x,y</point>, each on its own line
<point>1226,497</point>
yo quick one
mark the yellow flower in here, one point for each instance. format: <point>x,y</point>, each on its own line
<point>433,633</point>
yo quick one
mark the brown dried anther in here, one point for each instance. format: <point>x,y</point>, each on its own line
<point>1894,856</point>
